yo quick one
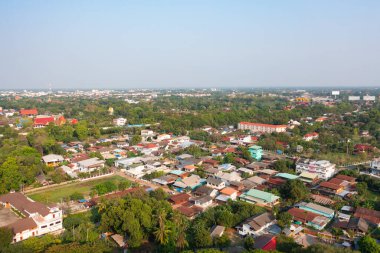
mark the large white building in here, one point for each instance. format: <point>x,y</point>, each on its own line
<point>120,121</point>
<point>323,168</point>
<point>38,219</point>
<point>259,127</point>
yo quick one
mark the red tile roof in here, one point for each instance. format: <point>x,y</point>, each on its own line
<point>43,121</point>
<point>25,112</point>
<point>263,125</point>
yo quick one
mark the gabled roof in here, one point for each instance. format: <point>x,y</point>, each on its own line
<point>228,191</point>
<point>28,112</point>
<point>23,225</point>
<point>266,196</point>
<point>260,220</point>
<point>24,204</point>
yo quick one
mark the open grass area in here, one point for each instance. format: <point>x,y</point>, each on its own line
<point>59,193</point>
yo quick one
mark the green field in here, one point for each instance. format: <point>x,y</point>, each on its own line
<point>58,193</point>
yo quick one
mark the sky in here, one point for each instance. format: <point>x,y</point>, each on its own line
<point>189,43</point>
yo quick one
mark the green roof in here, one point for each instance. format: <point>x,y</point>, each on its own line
<point>255,147</point>
<point>268,197</point>
<point>286,175</point>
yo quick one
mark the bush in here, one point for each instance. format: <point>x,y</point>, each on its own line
<point>76,196</point>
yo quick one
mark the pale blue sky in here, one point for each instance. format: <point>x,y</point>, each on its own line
<point>189,43</point>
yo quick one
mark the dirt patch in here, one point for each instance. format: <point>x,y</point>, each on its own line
<point>7,216</point>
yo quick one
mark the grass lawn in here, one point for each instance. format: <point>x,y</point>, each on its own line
<point>55,194</point>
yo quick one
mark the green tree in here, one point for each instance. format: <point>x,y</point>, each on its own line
<point>6,236</point>
<point>162,231</point>
<point>295,191</point>
<point>249,243</point>
<point>284,219</point>
<point>222,242</point>
<point>368,245</point>
<point>136,139</point>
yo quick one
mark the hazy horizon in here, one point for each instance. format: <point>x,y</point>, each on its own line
<point>189,44</point>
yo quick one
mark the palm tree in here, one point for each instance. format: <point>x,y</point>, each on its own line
<point>181,225</point>
<point>162,232</point>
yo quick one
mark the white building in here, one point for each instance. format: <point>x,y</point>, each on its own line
<point>120,121</point>
<point>263,128</point>
<point>323,168</point>
<point>162,137</point>
<point>39,219</point>
<point>256,225</point>
<point>90,165</point>
<point>375,166</point>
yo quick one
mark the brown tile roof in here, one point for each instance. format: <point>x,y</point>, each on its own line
<point>302,215</point>
<point>24,205</point>
<point>336,181</point>
<point>330,185</point>
<point>23,225</point>
<point>346,178</point>
<point>179,198</point>
<point>188,211</point>
<point>258,221</point>
<point>367,214</point>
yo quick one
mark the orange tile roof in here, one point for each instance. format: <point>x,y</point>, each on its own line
<point>228,191</point>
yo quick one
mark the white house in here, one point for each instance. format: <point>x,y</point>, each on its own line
<point>52,159</point>
<point>256,225</point>
<point>120,121</point>
<point>39,219</point>
<point>162,137</point>
<point>310,136</point>
<point>215,183</point>
<point>90,165</point>
<point>375,166</point>
<point>203,201</point>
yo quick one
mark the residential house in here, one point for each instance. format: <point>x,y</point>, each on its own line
<point>119,121</point>
<point>179,198</point>
<point>190,183</point>
<point>228,177</point>
<point>317,209</point>
<point>226,194</point>
<point>52,160</point>
<point>358,225</point>
<point>256,152</point>
<point>260,198</point>
<point>256,225</point>
<point>215,183</point>
<point>310,136</point>
<point>375,166</point>
<point>203,201</point>
<point>90,165</point>
<point>265,242</point>
<point>308,218</point>
<point>369,215</point>
<point>205,191</point>
<point>39,218</point>
<point>217,231</point>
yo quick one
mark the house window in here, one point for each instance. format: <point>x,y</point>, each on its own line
<point>58,222</point>
<point>44,226</point>
<point>53,216</point>
<point>51,224</point>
